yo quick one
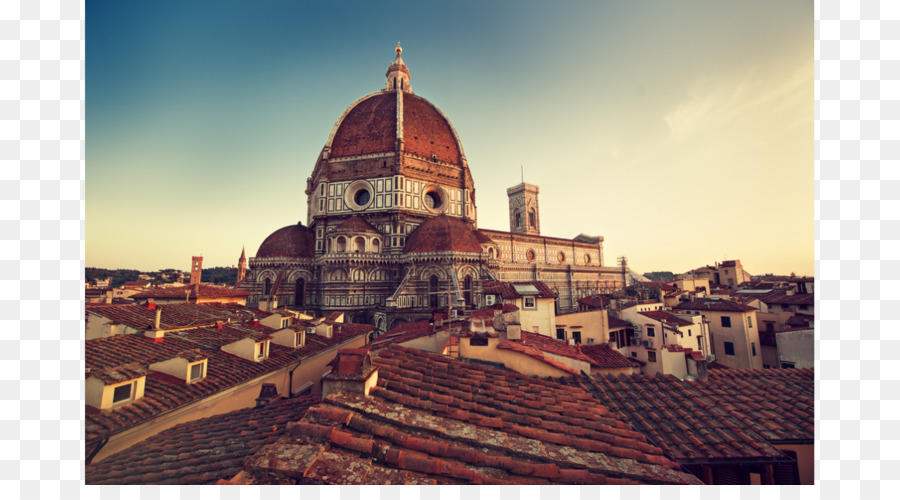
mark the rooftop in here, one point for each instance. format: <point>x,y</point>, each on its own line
<point>510,291</point>
<point>163,392</point>
<point>201,451</point>
<point>435,420</point>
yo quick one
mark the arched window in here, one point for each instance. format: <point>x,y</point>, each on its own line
<point>532,217</point>
<point>467,290</point>
<point>518,219</point>
<point>375,245</point>
<point>267,287</point>
<point>341,244</point>
<point>433,291</point>
<point>359,244</point>
<point>299,290</point>
<point>491,252</point>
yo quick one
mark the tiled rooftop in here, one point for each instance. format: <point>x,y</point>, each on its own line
<point>554,346</point>
<point>706,304</point>
<point>443,234</point>
<point>507,291</point>
<point>435,420</point>
<point>536,354</point>
<point>202,451</point>
<point>224,370</point>
<point>666,317</point>
<point>603,356</point>
<point>777,404</point>
<point>357,224</point>
<point>174,316</point>
<point>684,419</point>
<point>596,302</point>
<point>191,291</point>
<point>616,323</point>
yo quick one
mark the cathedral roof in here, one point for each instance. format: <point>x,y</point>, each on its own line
<point>357,224</point>
<point>443,234</point>
<point>292,241</point>
<point>370,126</point>
<point>395,119</point>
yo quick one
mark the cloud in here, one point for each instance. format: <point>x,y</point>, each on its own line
<point>757,96</point>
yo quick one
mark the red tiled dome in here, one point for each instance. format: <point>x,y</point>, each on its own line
<point>292,241</point>
<point>442,234</point>
<point>370,126</point>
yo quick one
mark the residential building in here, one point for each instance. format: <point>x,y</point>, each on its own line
<point>733,328</point>
<point>534,299</point>
<point>729,273</point>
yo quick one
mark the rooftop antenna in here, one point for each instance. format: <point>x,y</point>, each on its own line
<point>522,170</point>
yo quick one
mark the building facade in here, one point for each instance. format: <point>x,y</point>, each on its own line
<point>391,230</point>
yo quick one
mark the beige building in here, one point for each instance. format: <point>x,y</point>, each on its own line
<point>733,328</point>
<point>729,273</point>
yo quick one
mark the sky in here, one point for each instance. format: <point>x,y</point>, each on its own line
<point>681,132</point>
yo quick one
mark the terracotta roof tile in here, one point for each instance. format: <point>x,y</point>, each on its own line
<point>506,290</point>
<point>708,304</point>
<point>182,454</point>
<point>191,292</point>
<point>417,427</point>
<point>603,356</point>
<point>163,393</point>
<point>696,422</point>
<point>173,316</point>
<point>443,234</point>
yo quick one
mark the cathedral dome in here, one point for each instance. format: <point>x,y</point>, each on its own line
<point>443,234</point>
<point>370,126</point>
<point>296,242</point>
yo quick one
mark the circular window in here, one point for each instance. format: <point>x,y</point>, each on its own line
<point>561,256</point>
<point>358,195</point>
<point>587,259</point>
<point>434,199</point>
<point>530,255</point>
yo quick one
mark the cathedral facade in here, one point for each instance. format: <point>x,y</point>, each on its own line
<point>391,230</point>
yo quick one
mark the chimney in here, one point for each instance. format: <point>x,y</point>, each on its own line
<point>156,336</point>
<point>351,370</point>
<point>254,322</point>
<point>267,394</point>
<point>158,316</point>
<point>150,304</point>
<point>513,331</point>
<point>219,325</point>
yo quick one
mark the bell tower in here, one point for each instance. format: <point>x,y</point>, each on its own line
<point>524,211</point>
<point>242,266</point>
<point>196,269</point>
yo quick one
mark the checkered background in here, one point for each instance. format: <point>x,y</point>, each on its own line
<point>857,245</point>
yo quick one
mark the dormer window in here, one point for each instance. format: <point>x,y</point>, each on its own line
<point>530,303</point>
<point>196,372</point>
<point>261,350</point>
<point>123,393</point>
<point>285,322</point>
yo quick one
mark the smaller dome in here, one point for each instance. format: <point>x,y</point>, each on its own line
<point>356,224</point>
<point>296,242</point>
<point>443,234</point>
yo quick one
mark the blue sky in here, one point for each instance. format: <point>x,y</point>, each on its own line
<point>680,131</point>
